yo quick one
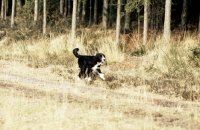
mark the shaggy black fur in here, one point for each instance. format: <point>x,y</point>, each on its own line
<point>89,63</point>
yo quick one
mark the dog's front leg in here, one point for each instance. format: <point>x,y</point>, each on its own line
<point>101,75</point>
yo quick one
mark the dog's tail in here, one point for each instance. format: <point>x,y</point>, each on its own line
<point>75,52</point>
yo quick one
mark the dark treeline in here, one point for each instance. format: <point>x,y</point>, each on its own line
<point>132,8</point>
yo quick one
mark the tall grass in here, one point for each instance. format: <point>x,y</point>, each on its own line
<point>168,68</point>
<point>174,69</point>
<point>58,49</point>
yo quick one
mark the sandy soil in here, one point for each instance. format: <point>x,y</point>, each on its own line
<point>134,104</point>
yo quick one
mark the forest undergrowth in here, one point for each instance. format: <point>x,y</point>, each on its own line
<point>167,69</point>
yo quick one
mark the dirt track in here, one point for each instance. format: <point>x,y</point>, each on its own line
<point>142,105</point>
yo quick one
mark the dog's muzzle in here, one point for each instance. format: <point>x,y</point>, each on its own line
<point>103,59</point>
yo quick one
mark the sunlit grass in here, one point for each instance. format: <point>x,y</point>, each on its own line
<point>127,98</point>
<point>43,107</point>
<point>172,61</point>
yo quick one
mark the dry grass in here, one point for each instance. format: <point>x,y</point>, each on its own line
<point>127,99</point>
<point>25,106</point>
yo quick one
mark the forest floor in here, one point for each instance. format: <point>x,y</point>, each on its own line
<point>37,98</point>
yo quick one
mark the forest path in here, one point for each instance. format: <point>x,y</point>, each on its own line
<point>134,105</point>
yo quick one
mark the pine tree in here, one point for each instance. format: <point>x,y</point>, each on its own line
<point>118,21</point>
<point>167,21</point>
<point>83,10</point>
<point>13,14</point>
<point>145,28</point>
<point>44,16</point>
<point>184,15</point>
<point>199,25</point>
<point>73,30</point>
<point>36,12</point>
<point>61,7</point>
<point>105,13</point>
<point>95,11</point>
<point>127,19</point>
<point>2,9</point>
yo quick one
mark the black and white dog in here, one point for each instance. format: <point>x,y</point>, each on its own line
<point>89,63</point>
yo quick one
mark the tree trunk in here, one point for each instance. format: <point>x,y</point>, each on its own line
<point>151,15</point>
<point>111,12</point>
<point>95,12</point>
<point>36,12</point>
<point>73,30</point>
<point>138,11</point>
<point>83,10</point>
<point>105,13</point>
<point>90,20</point>
<point>2,9</point>
<point>65,8</point>
<point>145,22</point>
<point>184,15</point>
<point>118,21</point>
<point>44,16</point>
<point>6,8</point>
<point>199,25</point>
<point>167,21</point>
<point>61,6</point>
<point>19,6</point>
<point>78,10</point>
<point>127,20</point>
<point>13,14</point>
<point>69,8</point>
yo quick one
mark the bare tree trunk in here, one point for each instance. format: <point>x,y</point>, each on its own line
<point>138,11</point>
<point>184,15</point>
<point>36,12</point>
<point>65,8</point>
<point>145,22</point>
<point>90,21</point>
<point>111,12</point>
<point>73,30</point>
<point>127,19</point>
<point>69,8</point>
<point>61,6</point>
<point>105,13</point>
<point>167,22</point>
<point>2,9</point>
<point>199,25</point>
<point>13,14</point>
<point>118,21</point>
<point>83,10</point>
<point>18,7</point>
<point>78,10</point>
<point>152,15</point>
<point>6,8</point>
<point>127,23</point>
<point>95,12</point>
<point>44,16</point>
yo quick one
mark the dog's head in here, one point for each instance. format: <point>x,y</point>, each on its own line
<point>100,57</point>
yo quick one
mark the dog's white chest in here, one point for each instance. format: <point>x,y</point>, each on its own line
<point>97,66</point>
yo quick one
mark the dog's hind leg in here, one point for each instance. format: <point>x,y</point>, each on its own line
<point>82,72</point>
<point>89,72</point>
